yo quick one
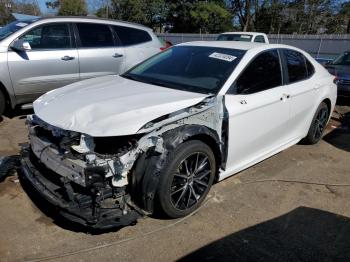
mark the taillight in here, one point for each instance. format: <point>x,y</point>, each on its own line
<point>336,80</point>
<point>163,48</point>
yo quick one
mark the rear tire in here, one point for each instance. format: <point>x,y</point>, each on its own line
<point>2,103</point>
<point>186,179</point>
<point>318,125</point>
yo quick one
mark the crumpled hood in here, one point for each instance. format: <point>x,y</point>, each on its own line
<point>110,105</point>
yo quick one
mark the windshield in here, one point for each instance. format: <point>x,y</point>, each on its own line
<point>10,28</point>
<point>343,59</point>
<point>234,37</point>
<point>189,68</point>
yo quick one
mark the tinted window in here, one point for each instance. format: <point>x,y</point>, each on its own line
<point>190,68</point>
<point>95,35</point>
<point>259,39</point>
<point>234,37</point>
<point>263,73</point>
<point>51,36</point>
<point>310,68</point>
<point>131,36</point>
<point>343,59</point>
<point>296,65</point>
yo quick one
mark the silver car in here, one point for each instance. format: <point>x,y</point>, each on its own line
<point>39,55</point>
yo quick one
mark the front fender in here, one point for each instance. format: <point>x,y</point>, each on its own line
<point>150,165</point>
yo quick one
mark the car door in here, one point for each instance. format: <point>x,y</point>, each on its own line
<point>52,61</point>
<point>302,88</point>
<point>258,108</point>
<point>137,44</point>
<point>98,53</point>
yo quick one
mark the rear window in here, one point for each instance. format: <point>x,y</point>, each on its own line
<point>95,35</point>
<point>235,37</point>
<point>296,66</point>
<point>259,39</point>
<point>310,68</point>
<point>190,68</point>
<point>131,36</point>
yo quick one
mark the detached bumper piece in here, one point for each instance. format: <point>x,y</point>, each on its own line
<point>97,208</point>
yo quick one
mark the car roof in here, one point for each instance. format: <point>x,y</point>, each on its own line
<point>242,45</point>
<point>226,44</point>
<point>92,19</point>
<point>244,33</point>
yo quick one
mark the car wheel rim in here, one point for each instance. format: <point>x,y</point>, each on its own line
<point>190,181</point>
<point>320,123</point>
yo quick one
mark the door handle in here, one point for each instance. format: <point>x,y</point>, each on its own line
<point>116,55</point>
<point>284,97</point>
<point>67,58</point>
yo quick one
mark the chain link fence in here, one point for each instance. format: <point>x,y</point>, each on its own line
<point>320,46</point>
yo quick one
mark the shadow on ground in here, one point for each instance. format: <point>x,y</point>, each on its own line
<point>343,101</point>
<point>304,234</point>
<point>8,166</point>
<point>17,113</point>
<point>340,136</point>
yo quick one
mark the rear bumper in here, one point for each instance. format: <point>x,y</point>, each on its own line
<point>81,209</point>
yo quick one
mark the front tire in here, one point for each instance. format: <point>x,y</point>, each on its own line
<point>318,125</point>
<point>187,178</point>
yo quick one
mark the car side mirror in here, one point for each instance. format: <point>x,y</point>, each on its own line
<point>21,45</point>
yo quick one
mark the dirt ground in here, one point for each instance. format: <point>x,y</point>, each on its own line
<point>294,206</point>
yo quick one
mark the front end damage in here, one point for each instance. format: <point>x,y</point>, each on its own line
<point>104,182</point>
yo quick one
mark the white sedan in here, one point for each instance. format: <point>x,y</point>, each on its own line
<point>109,149</point>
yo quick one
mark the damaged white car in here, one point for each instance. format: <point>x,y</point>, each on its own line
<point>107,150</point>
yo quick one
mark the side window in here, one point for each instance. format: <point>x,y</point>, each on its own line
<point>259,39</point>
<point>263,73</point>
<point>296,66</point>
<point>310,68</point>
<point>50,36</point>
<point>95,35</point>
<point>131,36</point>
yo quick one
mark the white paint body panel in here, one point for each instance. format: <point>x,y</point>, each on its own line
<point>110,105</point>
<point>267,123</point>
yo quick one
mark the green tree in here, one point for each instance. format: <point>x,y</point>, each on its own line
<point>345,14</point>
<point>150,13</point>
<point>210,18</point>
<point>28,7</point>
<point>193,16</point>
<point>5,11</point>
<point>69,7</point>
<point>179,16</point>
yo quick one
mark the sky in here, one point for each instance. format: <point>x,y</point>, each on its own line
<point>44,9</point>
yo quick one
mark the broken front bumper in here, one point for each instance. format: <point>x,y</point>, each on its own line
<point>73,201</point>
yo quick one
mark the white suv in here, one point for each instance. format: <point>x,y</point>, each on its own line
<point>39,55</point>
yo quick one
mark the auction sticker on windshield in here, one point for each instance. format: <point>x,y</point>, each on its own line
<point>225,57</point>
<point>21,24</point>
